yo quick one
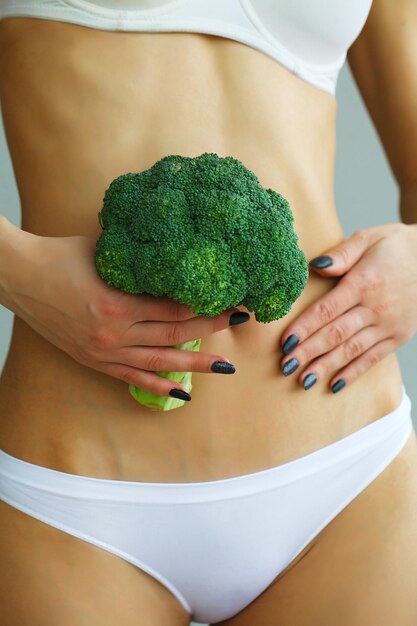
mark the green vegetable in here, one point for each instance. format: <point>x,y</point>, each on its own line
<point>204,232</point>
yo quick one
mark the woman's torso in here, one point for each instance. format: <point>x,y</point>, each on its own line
<point>82,106</point>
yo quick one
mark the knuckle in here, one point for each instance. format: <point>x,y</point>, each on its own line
<point>110,307</point>
<point>373,357</point>
<point>178,311</point>
<point>325,311</point>
<point>374,281</point>
<point>381,308</point>
<point>174,334</point>
<point>171,308</point>
<point>174,309</point>
<point>101,337</point>
<point>337,334</point>
<point>363,316</point>
<point>344,253</point>
<point>369,280</point>
<point>352,349</point>
<point>154,361</point>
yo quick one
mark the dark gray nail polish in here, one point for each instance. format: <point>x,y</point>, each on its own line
<point>238,318</point>
<point>290,344</point>
<point>221,367</point>
<point>180,394</point>
<point>309,381</point>
<point>290,367</point>
<point>339,384</point>
<point>321,262</point>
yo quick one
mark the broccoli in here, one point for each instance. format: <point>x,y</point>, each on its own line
<point>204,232</point>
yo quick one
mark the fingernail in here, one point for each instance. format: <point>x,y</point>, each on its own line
<point>221,367</point>
<point>320,262</point>
<point>180,394</point>
<point>339,384</point>
<point>290,344</point>
<point>238,318</point>
<point>309,381</point>
<point>290,367</point>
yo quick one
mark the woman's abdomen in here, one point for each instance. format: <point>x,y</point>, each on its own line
<point>102,104</point>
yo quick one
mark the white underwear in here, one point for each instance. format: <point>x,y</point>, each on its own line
<point>216,545</point>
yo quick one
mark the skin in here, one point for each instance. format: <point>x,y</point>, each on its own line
<point>66,148</point>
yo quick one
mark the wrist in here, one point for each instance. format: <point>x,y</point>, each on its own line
<point>16,255</point>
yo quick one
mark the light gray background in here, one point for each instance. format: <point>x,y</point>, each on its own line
<point>366,195</point>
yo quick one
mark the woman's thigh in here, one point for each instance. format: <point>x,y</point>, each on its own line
<point>361,569</point>
<point>50,577</point>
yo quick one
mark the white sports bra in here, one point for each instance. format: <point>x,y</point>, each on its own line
<point>309,37</point>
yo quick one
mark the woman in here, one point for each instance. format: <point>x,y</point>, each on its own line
<point>290,509</point>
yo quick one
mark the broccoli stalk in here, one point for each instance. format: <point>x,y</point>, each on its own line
<point>204,232</point>
<point>166,403</point>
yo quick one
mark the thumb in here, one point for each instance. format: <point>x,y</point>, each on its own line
<point>341,258</point>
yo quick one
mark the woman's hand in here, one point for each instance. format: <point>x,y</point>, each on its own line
<point>370,312</point>
<point>125,336</point>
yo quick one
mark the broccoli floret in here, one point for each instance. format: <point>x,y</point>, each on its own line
<point>204,232</point>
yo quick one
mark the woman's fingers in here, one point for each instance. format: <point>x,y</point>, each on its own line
<point>338,345</point>
<point>330,336</point>
<point>140,378</point>
<point>346,354</point>
<point>157,359</point>
<point>361,364</point>
<point>144,349</point>
<point>329,307</point>
<point>140,364</point>
<point>176,332</point>
<point>92,321</point>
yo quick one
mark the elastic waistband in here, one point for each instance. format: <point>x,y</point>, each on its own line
<point>396,425</point>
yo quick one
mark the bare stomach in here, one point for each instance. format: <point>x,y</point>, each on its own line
<point>81,107</point>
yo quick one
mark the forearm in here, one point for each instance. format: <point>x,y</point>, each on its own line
<point>14,260</point>
<point>408,204</point>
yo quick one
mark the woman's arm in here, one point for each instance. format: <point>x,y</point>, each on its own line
<point>52,284</point>
<point>383,61</point>
<point>15,258</point>
<point>372,310</point>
